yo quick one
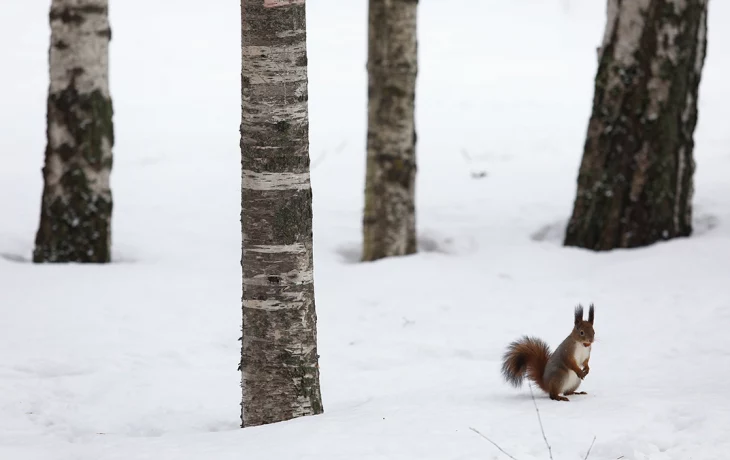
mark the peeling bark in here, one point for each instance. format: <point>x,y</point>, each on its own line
<point>76,208</point>
<point>279,360</point>
<point>389,221</point>
<point>635,182</point>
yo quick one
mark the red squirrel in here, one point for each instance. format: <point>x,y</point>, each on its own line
<point>555,373</point>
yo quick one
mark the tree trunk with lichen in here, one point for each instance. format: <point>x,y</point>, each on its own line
<point>279,360</point>
<point>635,182</point>
<point>389,221</point>
<point>76,207</point>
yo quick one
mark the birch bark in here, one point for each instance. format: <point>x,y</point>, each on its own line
<point>279,360</point>
<point>76,207</point>
<point>636,178</point>
<point>389,220</point>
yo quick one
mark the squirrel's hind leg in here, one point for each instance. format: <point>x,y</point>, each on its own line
<point>554,392</point>
<point>568,393</point>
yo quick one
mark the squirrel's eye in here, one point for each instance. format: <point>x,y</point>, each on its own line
<point>582,333</point>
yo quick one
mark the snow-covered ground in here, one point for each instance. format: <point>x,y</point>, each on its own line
<point>137,360</point>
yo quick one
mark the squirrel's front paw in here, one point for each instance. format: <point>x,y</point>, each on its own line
<point>586,370</point>
<point>582,374</point>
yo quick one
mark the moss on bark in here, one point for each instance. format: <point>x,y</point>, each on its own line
<point>75,223</point>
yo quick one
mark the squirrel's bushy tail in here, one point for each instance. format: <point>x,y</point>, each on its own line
<point>527,356</point>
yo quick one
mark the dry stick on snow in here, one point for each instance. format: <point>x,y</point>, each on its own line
<point>465,154</point>
<point>539,419</point>
<point>469,161</point>
<point>317,161</point>
<point>493,443</point>
<point>589,449</point>
<point>550,450</point>
<point>320,159</point>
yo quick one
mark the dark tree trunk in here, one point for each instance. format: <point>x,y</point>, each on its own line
<point>635,182</point>
<point>279,361</point>
<point>76,208</point>
<point>389,221</point>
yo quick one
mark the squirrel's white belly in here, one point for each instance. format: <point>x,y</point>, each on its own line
<point>572,381</point>
<point>581,354</point>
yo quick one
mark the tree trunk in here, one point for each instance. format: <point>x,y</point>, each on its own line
<point>635,181</point>
<point>279,361</point>
<point>389,221</point>
<point>76,208</point>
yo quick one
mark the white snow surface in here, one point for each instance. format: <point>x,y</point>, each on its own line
<point>137,359</point>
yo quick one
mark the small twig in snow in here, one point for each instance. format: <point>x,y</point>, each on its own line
<point>589,449</point>
<point>493,443</point>
<point>340,147</point>
<point>550,450</point>
<point>469,160</point>
<point>320,159</point>
<point>466,155</point>
<point>317,161</point>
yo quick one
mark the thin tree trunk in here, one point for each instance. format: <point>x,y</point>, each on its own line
<point>279,361</point>
<point>76,208</point>
<point>389,221</point>
<point>635,183</point>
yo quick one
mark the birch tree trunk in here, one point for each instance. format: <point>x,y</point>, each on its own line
<point>635,182</point>
<point>76,208</point>
<point>279,361</point>
<point>389,221</point>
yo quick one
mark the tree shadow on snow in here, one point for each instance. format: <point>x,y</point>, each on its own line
<point>23,257</point>
<point>702,223</point>
<point>16,258</point>
<point>428,242</point>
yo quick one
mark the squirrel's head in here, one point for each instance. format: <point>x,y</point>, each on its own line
<point>583,330</point>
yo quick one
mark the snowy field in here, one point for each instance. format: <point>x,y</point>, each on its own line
<point>137,360</point>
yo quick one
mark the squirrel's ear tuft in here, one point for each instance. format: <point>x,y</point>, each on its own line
<point>590,314</point>
<point>578,314</point>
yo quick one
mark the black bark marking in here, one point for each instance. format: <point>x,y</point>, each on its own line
<point>75,15</point>
<point>282,126</point>
<point>106,33</point>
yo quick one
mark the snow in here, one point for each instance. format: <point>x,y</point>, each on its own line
<point>137,359</point>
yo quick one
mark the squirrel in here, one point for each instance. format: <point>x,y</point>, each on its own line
<point>555,373</point>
